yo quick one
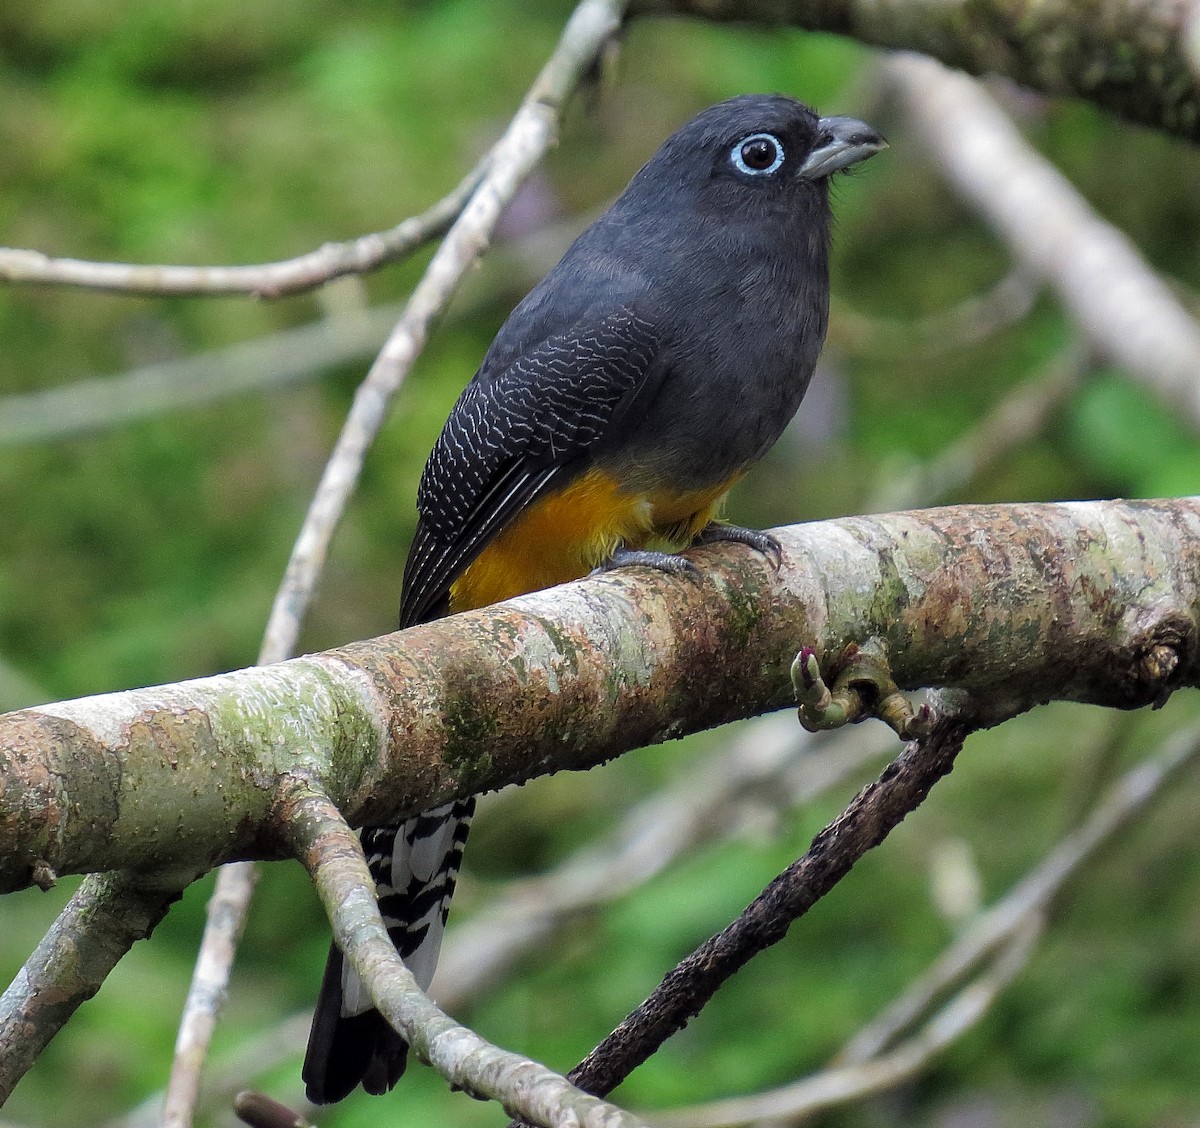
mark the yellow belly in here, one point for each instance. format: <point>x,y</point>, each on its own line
<point>564,535</point>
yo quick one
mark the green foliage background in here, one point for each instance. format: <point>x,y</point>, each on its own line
<point>224,132</point>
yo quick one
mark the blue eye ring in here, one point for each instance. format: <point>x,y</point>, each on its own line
<point>752,158</point>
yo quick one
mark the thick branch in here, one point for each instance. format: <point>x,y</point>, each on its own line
<point>1126,310</point>
<point>1087,601</point>
<point>1130,57</point>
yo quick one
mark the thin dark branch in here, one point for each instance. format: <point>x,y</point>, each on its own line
<point>875,811</point>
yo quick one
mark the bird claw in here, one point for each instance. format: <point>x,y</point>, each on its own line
<point>662,561</point>
<point>762,542</point>
<point>862,688</point>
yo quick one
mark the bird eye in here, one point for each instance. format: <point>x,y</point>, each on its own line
<point>758,154</point>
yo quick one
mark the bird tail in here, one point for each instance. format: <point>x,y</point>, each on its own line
<point>415,866</point>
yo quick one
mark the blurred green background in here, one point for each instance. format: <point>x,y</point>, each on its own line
<point>221,132</point>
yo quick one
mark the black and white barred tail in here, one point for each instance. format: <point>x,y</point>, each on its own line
<point>414,866</point>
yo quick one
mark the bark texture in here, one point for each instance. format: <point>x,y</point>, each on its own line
<point>1008,605</point>
<point>1129,57</point>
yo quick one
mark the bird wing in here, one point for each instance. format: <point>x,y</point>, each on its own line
<point>518,433</point>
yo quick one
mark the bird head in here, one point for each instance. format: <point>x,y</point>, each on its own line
<point>759,148</point>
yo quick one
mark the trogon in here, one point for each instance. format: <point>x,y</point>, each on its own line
<point>620,401</point>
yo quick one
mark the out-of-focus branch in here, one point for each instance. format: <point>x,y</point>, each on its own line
<point>99,925</point>
<point>1127,312</point>
<point>288,357</point>
<point>1131,796</point>
<point>330,852</point>
<point>1018,418</point>
<point>1130,57</point>
<point>227,909</point>
<point>531,132</point>
<point>790,1104</point>
<point>264,280</point>
<point>981,599</point>
<point>972,320</point>
<point>1004,934</point>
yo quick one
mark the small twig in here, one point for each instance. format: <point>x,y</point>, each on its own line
<point>1127,312</point>
<point>864,824</point>
<point>527,138</point>
<point>330,851</point>
<point>227,910</point>
<point>841,1085</point>
<point>972,320</point>
<point>1016,419</point>
<point>264,280</point>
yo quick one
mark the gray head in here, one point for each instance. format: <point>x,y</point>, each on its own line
<point>756,151</point>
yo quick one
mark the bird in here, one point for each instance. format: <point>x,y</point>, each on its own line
<point>618,404</point>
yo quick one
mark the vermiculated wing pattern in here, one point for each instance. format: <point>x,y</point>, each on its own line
<point>513,435</point>
<point>516,434</point>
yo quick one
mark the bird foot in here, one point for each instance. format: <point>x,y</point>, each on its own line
<point>863,687</point>
<point>663,561</point>
<point>762,542</point>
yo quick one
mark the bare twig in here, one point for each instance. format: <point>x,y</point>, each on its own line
<point>972,320</point>
<point>1127,312</point>
<point>330,851</point>
<point>227,909</point>
<point>841,1085</point>
<point>1035,893</point>
<point>1018,418</point>
<point>864,824</point>
<point>264,280</point>
<point>279,360</point>
<point>530,133</point>
<point>1004,934</point>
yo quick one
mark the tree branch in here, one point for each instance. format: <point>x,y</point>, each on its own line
<point>99,925</point>
<point>875,811</point>
<point>1127,312</point>
<point>1129,57</point>
<point>264,280</point>
<point>1086,601</point>
<point>330,851</point>
<point>226,917</point>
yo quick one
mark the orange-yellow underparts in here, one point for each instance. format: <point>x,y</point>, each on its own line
<point>564,535</point>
